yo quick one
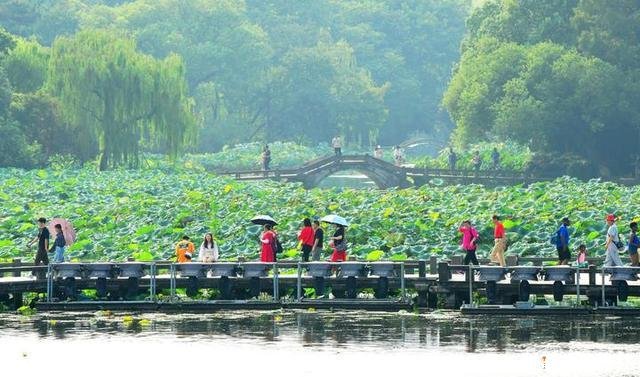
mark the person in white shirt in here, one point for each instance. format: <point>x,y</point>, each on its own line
<point>336,143</point>
<point>209,249</point>
<point>612,246</point>
<point>398,156</point>
<point>378,153</point>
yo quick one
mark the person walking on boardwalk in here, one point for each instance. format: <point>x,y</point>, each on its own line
<point>634,242</point>
<point>43,243</point>
<point>336,143</point>
<point>208,249</point>
<point>581,260</point>
<point>500,242</point>
<point>58,245</point>
<point>562,242</point>
<point>613,244</point>
<point>268,242</point>
<point>185,250</point>
<point>316,251</point>
<point>307,237</point>
<point>453,159</point>
<point>339,245</point>
<point>469,241</point>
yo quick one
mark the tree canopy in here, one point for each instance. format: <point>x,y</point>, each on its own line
<point>557,75</point>
<point>248,62</point>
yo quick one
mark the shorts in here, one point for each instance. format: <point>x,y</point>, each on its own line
<point>563,253</point>
<point>632,251</point>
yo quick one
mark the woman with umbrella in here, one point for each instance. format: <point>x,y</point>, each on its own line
<point>65,236</point>
<point>338,241</point>
<point>267,238</point>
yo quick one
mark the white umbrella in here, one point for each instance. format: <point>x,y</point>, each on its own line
<point>263,219</point>
<point>335,219</point>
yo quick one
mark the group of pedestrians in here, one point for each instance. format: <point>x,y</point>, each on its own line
<point>476,159</point>
<point>43,237</point>
<point>614,243</point>
<point>311,239</point>
<point>471,237</point>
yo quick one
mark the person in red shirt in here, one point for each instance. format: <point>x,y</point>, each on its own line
<point>500,242</point>
<point>469,240</point>
<point>268,241</point>
<point>307,237</point>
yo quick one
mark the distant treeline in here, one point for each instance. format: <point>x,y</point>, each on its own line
<point>268,70</point>
<point>99,78</point>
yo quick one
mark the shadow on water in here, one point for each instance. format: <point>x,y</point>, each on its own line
<point>336,329</point>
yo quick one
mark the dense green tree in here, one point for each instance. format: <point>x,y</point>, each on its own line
<point>609,30</point>
<point>111,93</point>
<point>26,65</point>
<point>558,75</point>
<point>322,92</point>
<point>36,115</point>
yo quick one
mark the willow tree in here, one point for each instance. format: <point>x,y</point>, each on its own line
<point>112,94</point>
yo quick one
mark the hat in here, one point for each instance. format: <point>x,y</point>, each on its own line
<point>611,217</point>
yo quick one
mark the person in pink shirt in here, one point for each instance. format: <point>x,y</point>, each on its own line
<point>581,261</point>
<point>469,242</point>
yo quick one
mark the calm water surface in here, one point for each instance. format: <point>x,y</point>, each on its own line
<point>318,344</point>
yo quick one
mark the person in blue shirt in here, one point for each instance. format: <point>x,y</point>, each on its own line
<point>562,243</point>
<point>634,242</point>
<point>58,245</point>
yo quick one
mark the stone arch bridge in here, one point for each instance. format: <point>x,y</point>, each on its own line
<point>383,174</point>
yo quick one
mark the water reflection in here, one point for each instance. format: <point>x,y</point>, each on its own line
<point>337,330</point>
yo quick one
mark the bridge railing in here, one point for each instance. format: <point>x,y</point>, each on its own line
<point>430,265</point>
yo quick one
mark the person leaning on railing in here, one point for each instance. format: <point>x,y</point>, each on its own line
<point>184,250</point>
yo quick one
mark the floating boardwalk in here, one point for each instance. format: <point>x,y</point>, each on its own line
<point>376,286</point>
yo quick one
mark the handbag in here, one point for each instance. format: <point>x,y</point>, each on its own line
<point>619,244</point>
<point>342,246</point>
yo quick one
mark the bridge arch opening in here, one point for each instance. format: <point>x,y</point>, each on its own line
<point>348,178</point>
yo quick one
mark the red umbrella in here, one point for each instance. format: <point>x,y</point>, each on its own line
<point>67,230</point>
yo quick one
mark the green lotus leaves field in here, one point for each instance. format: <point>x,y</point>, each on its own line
<point>141,214</point>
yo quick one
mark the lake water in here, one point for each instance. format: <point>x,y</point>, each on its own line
<point>317,344</point>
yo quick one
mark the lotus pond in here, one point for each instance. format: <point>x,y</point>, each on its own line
<point>309,343</point>
<point>141,214</point>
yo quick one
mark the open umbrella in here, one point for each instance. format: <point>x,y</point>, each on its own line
<point>335,219</point>
<point>263,219</point>
<point>67,230</point>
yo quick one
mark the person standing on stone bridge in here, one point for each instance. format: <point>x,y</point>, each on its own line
<point>266,157</point>
<point>336,143</point>
<point>453,159</point>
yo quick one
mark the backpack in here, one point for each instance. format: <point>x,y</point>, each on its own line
<point>554,239</point>
<point>277,245</point>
